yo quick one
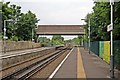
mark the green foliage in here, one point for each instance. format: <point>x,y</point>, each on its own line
<point>57,40</point>
<point>100,18</point>
<point>22,24</point>
<point>14,38</point>
<point>1,6</point>
<point>1,36</point>
<point>44,41</point>
<point>74,41</point>
<point>27,23</point>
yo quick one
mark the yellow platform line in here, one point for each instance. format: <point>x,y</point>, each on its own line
<point>80,68</point>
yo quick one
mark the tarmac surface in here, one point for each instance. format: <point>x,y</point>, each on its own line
<point>69,68</point>
<point>94,66</point>
<point>84,66</point>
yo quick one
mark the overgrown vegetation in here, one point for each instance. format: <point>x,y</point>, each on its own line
<point>58,40</point>
<point>44,41</point>
<point>100,19</point>
<point>22,25</point>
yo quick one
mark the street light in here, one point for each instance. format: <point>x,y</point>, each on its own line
<point>32,36</point>
<point>110,28</point>
<point>111,41</point>
<point>84,34</point>
<point>32,39</point>
<point>5,37</point>
<point>89,33</point>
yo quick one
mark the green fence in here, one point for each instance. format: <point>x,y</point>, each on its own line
<point>106,52</point>
<point>86,45</point>
<point>116,51</point>
<point>94,47</point>
<point>102,49</point>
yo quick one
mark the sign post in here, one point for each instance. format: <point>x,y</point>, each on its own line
<point>111,42</point>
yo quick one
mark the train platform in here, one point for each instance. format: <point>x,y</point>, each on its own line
<point>79,64</point>
<point>20,52</point>
<point>69,67</point>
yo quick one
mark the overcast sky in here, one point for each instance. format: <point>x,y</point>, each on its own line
<point>57,11</point>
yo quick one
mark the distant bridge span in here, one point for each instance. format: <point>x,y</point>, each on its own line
<point>60,30</point>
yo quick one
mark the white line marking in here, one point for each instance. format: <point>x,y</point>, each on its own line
<point>58,67</point>
<point>108,76</point>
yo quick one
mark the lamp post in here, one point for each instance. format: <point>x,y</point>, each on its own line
<point>32,39</point>
<point>32,35</point>
<point>5,37</point>
<point>110,28</point>
<point>84,35</point>
<point>88,33</point>
<point>111,41</point>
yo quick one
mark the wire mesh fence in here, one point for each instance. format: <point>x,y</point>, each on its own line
<point>94,47</point>
<point>102,49</point>
<point>116,51</point>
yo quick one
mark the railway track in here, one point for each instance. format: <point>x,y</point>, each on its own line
<point>25,73</point>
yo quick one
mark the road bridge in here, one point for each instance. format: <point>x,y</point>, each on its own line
<point>60,30</point>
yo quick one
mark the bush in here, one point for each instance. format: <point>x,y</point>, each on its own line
<point>14,38</point>
<point>1,36</point>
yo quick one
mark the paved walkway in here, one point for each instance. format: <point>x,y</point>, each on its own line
<point>69,68</point>
<point>95,67</point>
<point>82,65</point>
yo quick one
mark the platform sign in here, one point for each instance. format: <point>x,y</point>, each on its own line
<point>109,28</point>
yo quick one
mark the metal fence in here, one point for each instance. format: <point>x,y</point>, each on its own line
<point>94,47</point>
<point>102,49</point>
<point>116,51</point>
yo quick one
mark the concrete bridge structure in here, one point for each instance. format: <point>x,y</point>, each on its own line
<point>60,30</point>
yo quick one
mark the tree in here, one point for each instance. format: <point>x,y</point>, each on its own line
<point>22,25</point>
<point>11,12</point>
<point>116,31</point>
<point>100,19</point>
<point>44,41</point>
<point>74,41</point>
<point>57,40</point>
<point>27,23</point>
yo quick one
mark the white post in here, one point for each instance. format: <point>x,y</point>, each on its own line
<point>82,41</point>
<point>111,41</point>
<point>89,36</point>
<point>4,36</point>
<point>32,39</point>
<point>32,35</point>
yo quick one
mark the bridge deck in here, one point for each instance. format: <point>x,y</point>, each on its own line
<point>60,29</point>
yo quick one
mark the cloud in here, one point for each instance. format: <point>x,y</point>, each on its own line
<point>57,11</point>
<point>49,1</point>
